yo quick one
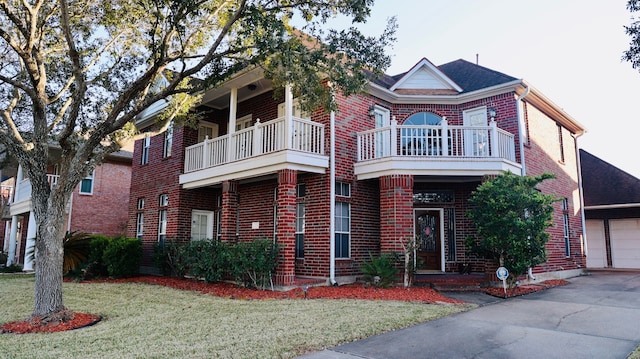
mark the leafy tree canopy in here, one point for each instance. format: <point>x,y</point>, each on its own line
<point>511,216</point>
<point>633,54</point>
<point>75,74</point>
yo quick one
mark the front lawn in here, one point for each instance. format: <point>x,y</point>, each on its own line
<point>141,321</point>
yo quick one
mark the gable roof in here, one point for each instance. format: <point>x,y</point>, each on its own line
<point>425,75</point>
<point>605,184</point>
<point>472,77</point>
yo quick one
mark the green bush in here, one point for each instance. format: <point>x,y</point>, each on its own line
<point>170,257</point>
<point>380,271</point>
<point>122,257</point>
<point>252,263</point>
<point>95,263</point>
<point>13,268</point>
<point>206,259</point>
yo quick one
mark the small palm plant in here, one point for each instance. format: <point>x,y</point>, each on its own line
<point>380,271</point>
<point>76,250</point>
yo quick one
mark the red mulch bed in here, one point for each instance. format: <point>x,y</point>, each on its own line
<point>231,291</point>
<point>524,289</point>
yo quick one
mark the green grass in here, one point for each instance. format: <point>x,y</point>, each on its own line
<point>145,321</point>
<point>635,354</point>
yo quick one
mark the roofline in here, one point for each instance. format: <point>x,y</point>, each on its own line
<point>518,86</point>
<point>613,206</point>
<point>422,63</point>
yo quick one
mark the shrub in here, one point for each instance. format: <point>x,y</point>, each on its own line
<point>122,257</point>
<point>76,250</point>
<point>170,258</point>
<point>252,263</point>
<point>206,259</point>
<point>95,266</point>
<point>13,268</point>
<point>380,271</point>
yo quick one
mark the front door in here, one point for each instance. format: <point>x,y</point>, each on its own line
<point>429,252</point>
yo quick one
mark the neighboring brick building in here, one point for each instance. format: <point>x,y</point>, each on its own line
<point>408,153</point>
<point>98,205</point>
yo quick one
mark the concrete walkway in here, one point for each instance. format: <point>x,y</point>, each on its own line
<point>596,316</point>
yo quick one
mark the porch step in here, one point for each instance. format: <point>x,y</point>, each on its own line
<point>473,282</point>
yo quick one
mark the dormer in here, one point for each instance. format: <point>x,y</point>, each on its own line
<point>425,78</point>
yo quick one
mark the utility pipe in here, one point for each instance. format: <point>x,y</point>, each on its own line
<point>332,198</point>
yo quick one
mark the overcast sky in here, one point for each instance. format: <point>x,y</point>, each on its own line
<point>570,50</point>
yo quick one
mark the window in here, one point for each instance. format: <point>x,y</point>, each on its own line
<point>140,218</point>
<point>418,140</point>
<point>343,189</point>
<point>162,226</point>
<point>164,200</point>
<point>560,142</point>
<point>565,220</point>
<point>243,122</point>
<point>207,130</point>
<point>86,185</point>
<point>343,218</point>
<point>301,190</point>
<point>300,222</point>
<point>168,141</point>
<point>201,225</point>
<point>297,110</point>
<point>146,143</point>
<point>382,139</point>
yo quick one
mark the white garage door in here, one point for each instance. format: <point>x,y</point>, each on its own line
<point>625,242</point>
<point>596,245</point>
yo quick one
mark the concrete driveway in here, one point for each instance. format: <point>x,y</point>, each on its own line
<point>596,316</point>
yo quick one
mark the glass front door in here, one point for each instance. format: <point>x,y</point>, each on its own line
<point>429,245</point>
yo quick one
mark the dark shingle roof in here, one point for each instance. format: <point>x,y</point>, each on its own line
<point>472,77</point>
<point>606,184</point>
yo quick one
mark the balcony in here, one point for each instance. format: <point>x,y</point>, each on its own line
<point>21,202</point>
<point>441,150</point>
<point>262,149</point>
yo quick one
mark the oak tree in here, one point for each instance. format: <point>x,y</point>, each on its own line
<point>76,74</point>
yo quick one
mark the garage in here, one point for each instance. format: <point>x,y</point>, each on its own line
<point>624,243</point>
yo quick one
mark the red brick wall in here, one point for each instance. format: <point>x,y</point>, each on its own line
<point>542,154</point>
<point>105,210</point>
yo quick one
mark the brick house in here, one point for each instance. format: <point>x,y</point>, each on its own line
<point>397,161</point>
<point>96,205</point>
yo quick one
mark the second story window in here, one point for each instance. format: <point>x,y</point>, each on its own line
<point>168,142</point>
<point>343,189</point>
<point>146,143</point>
<point>560,142</point>
<point>164,200</point>
<point>207,130</point>
<point>86,185</point>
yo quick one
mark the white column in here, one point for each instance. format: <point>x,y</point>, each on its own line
<point>494,139</point>
<point>288,113</point>
<point>394,136</point>
<point>444,137</point>
<point>12,240</point>
<point>231,127</point>
<point>7,234</point>
<point>257,138</point>
<point>31,243</point>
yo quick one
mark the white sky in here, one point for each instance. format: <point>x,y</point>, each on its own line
<point>570,50</point>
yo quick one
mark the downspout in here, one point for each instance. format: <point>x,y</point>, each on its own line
<point>522,128</point>
<point>585,249</point>
<point>332,198</point>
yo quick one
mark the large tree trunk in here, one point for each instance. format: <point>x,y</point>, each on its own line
<point>49,255</point>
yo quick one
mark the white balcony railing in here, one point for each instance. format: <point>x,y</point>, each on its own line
<point>470,142</point>
<point>24,187</point>
<point>262,138</point>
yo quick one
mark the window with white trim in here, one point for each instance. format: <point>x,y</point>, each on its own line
<point>168,141</point>
<point>243,122</point>
<point>565,220</point>
<point>300,223</point>
<point>140,218</point>
<point>343,230</point>
<point>201,225</point>
<point>146,143</point>
<point>343,189</point>
<point>297,110</point>
<point>162,217</point>
<point>86,185</point>
<point>207,130</point>
<point>561,143</point>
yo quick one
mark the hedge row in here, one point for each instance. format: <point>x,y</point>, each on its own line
<point>248,263</point>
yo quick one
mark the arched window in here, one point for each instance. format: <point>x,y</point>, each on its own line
<point>417,139</point>
<point>423,118</point>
